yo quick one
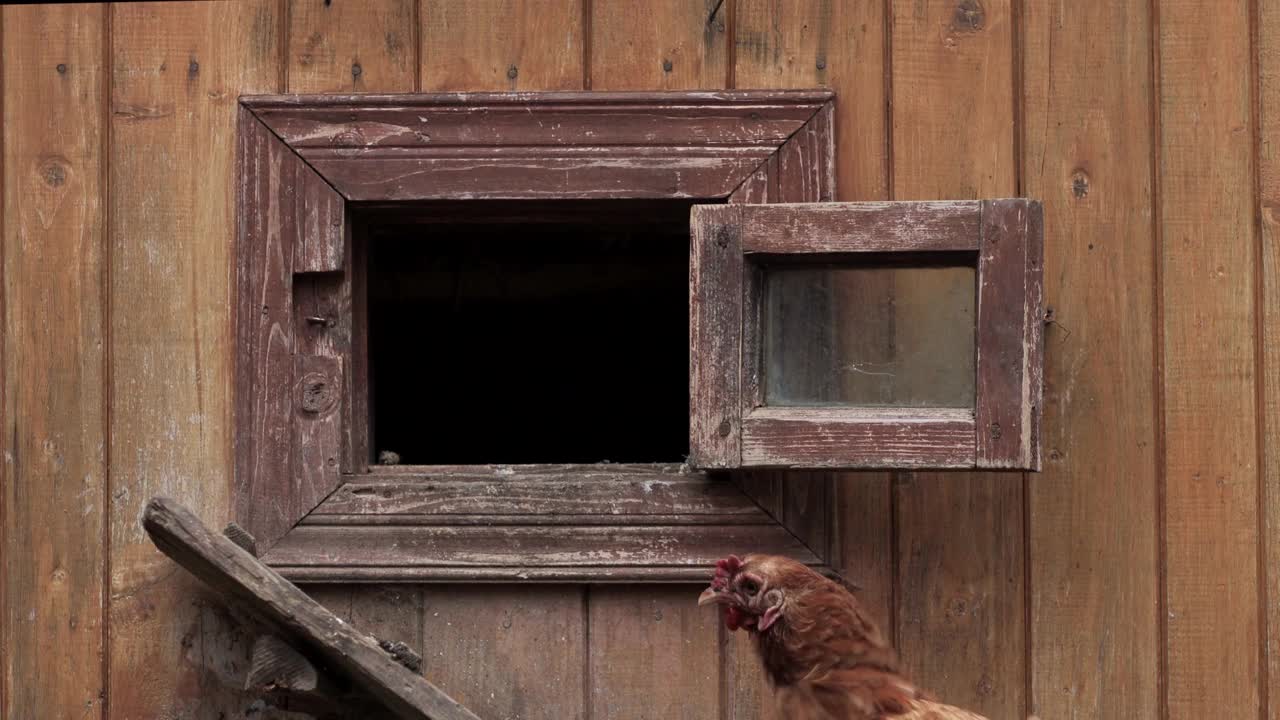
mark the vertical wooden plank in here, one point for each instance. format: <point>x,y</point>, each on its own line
<point>1268,134</point>
<point>960,594</point>
<point>1093,556</point>
<point>505,651</point>
<point>658,44</point>
<point>54,466</point>
<point>352,46</point>
<point>177,70</point>
<point>1010,323</point>
<point>814,43</point>
<point>715,334</point>
<point>1207,260</point>
<point>318,395</point>
<point>837,45</point>
<point>318,215</point>
<point>502,45</point>
<point>266,239</point>
<point>654,654</point>
<point>960,601</point>
<point>328,41</point>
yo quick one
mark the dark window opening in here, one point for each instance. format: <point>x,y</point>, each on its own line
<point>529,332</point>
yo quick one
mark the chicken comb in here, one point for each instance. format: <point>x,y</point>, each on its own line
<point>725,570</point>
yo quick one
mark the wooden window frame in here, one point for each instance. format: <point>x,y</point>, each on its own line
<point>732,427</point>
<point>303,483</point>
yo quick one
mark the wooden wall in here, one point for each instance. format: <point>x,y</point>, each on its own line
<point>1131,579</point>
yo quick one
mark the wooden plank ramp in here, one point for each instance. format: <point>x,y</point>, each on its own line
<point>303,622</point>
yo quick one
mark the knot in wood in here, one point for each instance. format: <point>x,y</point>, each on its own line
<point>722,236</point>
<point>1080,184</point>
<point>970,16</point>
<point>996,432</point>
<point>317,394</point>
<point>725,427</point>
<point>54,171</point>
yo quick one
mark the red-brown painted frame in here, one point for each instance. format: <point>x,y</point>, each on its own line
<point>303,482</point>
<point>732,427</point>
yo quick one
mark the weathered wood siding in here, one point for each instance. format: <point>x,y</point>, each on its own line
<point>1133,578</point>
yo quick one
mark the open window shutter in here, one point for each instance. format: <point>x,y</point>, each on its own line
<point>866,335</point>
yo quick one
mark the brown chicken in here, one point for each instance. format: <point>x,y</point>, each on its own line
<point>825,659</point>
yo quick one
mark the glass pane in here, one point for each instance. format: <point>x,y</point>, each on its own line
<point>872,336</point>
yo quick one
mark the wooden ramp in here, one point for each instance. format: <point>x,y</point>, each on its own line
<point>304,631</point>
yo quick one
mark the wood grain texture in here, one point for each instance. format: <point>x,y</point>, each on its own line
<point>961,625</point>
<point>654,654</point>
<point>1268,134</point>
<point>470,119</point>
<point>318,216</point>
<point>501,45</point>
<point>508,651</point>
<point>317,394</point>
<point>54,465</point>
<point>176,72</point>
<point>1093,553</point>
<point>570,493</point>
<point>1010,352</point>
<point>667,44</point>
<point>826,437</point>
<point>1207,263</point>
<point>836,45</point>
<point>299,619</point>
<point>387,612</point>
<point>510,552</point>
<point>715,336</point>
<point>352,45</point>
<point>604,175</point>
<point>266,239</point>
<point>862,227</point>
<point>841,46</point>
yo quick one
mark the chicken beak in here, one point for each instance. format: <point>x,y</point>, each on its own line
<point>708,596</point>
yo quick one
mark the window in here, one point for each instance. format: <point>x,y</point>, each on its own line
<point>799,361</point>
<point>543,302</point>
<point>530,332</point>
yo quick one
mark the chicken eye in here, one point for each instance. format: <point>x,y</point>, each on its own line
<point>750,587</point>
